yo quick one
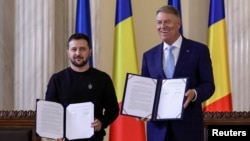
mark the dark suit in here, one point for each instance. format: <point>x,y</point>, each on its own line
<point>193,62</point>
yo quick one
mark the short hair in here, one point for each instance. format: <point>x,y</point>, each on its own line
<point>79,36</point>
<point>169,9</point>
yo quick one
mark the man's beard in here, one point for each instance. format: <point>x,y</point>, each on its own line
<point>83,63</point>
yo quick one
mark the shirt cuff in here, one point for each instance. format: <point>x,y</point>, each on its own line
<point>195,95</point>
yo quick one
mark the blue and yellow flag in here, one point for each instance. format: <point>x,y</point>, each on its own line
<point>124,128</point>
<point>217,43</point>
<point>177,5</point>
<point>83,21</point>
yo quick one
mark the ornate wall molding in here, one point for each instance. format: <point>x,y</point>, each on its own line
<point>227,118</point>
<point>17,114</point>
<point>229,115</point>
<point>19,124</point>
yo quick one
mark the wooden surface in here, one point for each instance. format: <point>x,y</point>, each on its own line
<point>19,120</point>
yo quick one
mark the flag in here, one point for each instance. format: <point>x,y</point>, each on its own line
<point>124,128</point>
<point>177,5</point>
<point>217,42</point>
<point>83,21</point>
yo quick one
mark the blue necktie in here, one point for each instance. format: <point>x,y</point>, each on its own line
<point>170,65</point>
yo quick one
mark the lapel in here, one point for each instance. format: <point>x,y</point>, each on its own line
<point>184,54</point>
<point>157,62</point>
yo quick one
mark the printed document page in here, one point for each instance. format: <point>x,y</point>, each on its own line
<point>78,120</point>
<point>139,96</point>
<point>171,99</point>
<point>49,119</point>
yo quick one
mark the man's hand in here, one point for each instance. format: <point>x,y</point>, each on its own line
<point>60,139</point>
<point>142,119</point>
<point>190,94</point>
<point>97,125</point>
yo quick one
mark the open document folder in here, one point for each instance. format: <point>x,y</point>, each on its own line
<point>156,99</point>
<point>50,122</point>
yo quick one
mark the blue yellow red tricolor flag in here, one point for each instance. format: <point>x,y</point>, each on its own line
<point>83,21</point>
<point>124,128</point>
<point>217,43</point>
<point>177,5</point>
